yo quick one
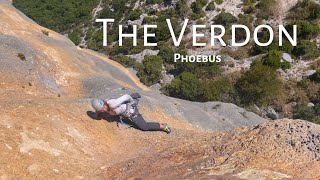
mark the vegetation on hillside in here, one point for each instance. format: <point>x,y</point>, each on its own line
<point>55,14</point>
<point>259,86</point>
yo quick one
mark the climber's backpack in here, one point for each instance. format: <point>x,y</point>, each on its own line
<point>136,97</point>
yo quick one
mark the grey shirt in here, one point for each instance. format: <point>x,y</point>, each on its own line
<point>121,106</point>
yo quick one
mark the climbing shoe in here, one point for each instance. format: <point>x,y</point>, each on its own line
<point>167,129</point>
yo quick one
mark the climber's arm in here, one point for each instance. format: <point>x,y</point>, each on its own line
<point>125,99</point>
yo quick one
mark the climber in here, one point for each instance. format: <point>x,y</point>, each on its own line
<point>126,107</point>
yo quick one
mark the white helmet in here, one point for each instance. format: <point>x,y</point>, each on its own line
<point>97,104</point>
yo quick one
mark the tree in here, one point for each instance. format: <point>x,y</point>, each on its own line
<point>151,70</point>
<point>185,86</point>
<point>167,2</point>
<point>259,85</point>
<point>265,9</point>
<point>219,90</point>
<point>182,8</point>
<point>219,1</point>
<point>306,49</point>
<point>56,14</point>
<point>305,29</point>
<point>166,52</point>
<point>197,8</point>
<point>210,6</point>
<point>273,59</point>
<point>162,32</point>
<point>74,37</point>
<point>316,76</point>
<point>127,61</point>
<point>311,114</point>
<point>305,10</point>
<point>225,19</point>
<point>135,14</point>
<point>153,1</point>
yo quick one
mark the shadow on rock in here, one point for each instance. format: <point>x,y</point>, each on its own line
<point>104,116</point>
<point>109,118</point>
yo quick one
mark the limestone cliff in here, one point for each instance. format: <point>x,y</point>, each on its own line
<point>46,129</point>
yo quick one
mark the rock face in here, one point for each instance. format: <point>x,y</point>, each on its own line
<point>209,116</point>
<point>287,57</point>
<point>137,22</point>
<point>147,52</point>
<point>283,6</point>
<point>54,66</point>
<point>47,130</point>
<point>258,152</point>
<point>271,113</point>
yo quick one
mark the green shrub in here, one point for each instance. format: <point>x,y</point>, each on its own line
<point>315,77</point>
<point>45,32</point>
<point>317,109</point>
<point>218,1</point>
<point>162,32</point>
<point>244,20</point>
<point>311,89</point>
<point>185,86</point>
<point>311,114</point>
<point>249,2</point>
<point>241,53</point>
<point>197,7</point>
<point>285,65</point>
<point>75,37</point>
<point>248,9</point>
<point>219,90</point>
<point>210,6</point>
<point>201,70</point>
<point>305,10</point>
<point>21,56</point>
<point>273,59</point>
<point>151,70</point>
<point>205,70</point>
<point>264,36</point>
<point>286,47</point>
<point>126,48</point>
<point>225,19</point>
<point>119,50</point>
<point>249,6</point>
<point>314,11</point>
<point>56,14</point>
<point>306,49</point>
<point>135,14</point>
<point>182,8</point>
<point>114,10</point>
<point>166,52</point>
<point>305,29</point>
<point>148,20</point>
<point>304,112</point>
<point>127,61</point>
<point>259,85</point>
<point>167,2</point>
<point>202,2</point>
<point>266,9</point>
<point>96,40</point>
<point>154,1</point>
<point>137,49</point>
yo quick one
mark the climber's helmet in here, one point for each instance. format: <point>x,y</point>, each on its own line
<point>99,105</point>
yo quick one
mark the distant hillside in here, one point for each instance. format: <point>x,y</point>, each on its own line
<point>286,85</point>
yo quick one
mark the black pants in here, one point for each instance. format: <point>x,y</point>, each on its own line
<point>139,121</point>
